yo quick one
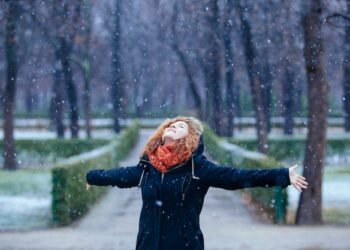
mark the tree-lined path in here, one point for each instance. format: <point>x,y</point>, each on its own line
<point>226,223</point>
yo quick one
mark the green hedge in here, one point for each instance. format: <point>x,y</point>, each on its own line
<point>70,200</point>
<point>293,147</point>
<point>58,148</point>
<point>273,200</point>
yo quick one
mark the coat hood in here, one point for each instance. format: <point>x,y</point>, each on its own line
<point>200,147</point>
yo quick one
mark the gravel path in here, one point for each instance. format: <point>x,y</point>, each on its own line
<point>226,223</point>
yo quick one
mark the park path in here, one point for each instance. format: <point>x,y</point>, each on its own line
<point>226,223</point>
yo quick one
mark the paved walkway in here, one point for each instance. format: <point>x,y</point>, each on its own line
<point>226,223</point>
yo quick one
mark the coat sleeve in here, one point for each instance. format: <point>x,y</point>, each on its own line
<point>122,177</point>
<point>235,178</point>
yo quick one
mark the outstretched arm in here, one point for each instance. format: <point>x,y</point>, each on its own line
<point>122,177</point>
<point>235,178</point>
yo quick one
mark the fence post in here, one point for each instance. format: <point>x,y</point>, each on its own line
<point>280,206</point>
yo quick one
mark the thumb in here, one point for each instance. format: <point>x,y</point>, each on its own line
<point>294,167</point>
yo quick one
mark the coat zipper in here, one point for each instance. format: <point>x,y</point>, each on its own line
<point>161,182</point>
<point>162,176</point>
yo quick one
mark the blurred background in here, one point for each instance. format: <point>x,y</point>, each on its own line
<point>84,82</point>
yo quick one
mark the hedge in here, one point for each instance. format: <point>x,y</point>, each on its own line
<point>273,200</point>
<point>57,148</point>
<point>70,200</point>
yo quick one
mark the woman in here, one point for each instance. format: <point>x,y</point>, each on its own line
<point>174,177</point>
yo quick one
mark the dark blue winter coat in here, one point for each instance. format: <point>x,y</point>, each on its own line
<point>172,201</point>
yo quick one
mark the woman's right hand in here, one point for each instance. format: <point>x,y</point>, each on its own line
<point>88,186</point>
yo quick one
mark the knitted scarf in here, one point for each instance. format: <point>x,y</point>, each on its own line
<point>165,157</point>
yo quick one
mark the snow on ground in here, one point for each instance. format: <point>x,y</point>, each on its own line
<point>24,212</point>
<point>335,193</point>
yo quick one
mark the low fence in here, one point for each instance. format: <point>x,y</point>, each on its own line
<point>283,147</point>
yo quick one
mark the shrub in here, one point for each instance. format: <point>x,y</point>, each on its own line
<point>273,200</point>
<point>69,197</point>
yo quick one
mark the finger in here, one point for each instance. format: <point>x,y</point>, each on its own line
<point>297,188</point>
<point>299,182</point>
<point>302,186</point>
<point>304,182</point>
<point>300,177</point>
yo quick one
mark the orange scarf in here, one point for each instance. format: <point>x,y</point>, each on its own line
<point>165,157</point>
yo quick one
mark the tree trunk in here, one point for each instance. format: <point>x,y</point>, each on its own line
<point>117,78</point>
<point>186,66</point>
<point>255,81</point>
<point>86,103</point>
<point>10,162</point>
<point>346,85</point>
<point>266,92</point>
<point>192,84</point>
<point>231,95</point>
<point>66,49</point>
<point>310,203</point>
<point>236,100</point>
<point>214,63</point>
<point>57,100</point>
<point>207,106</point>
<point>29,98</point>
<point>86,71</point>
<point>288,101</point>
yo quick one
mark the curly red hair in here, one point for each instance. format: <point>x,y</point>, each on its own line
<point>187,144</point>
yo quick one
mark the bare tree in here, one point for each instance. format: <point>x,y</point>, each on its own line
<point>214,63</point>
<point>175,44</point>
<point>231,94</point>
<point>254,79</point>
<point>346,83</point>
<point>66,49</point>
<point>82,60</point>
<point>288,82</point>
<point>310,203</point>
<point>12,16</point>
<point>117,90</point>
<point>56,105</point>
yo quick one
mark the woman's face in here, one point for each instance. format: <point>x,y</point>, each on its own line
<point>175,131</point>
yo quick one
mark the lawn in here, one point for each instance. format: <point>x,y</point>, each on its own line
<point>25,199</point>
<point>335,196</point>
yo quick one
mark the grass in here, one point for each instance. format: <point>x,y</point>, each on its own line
<point>341,170</point>
<point>25,199</point>
<point>337,216</point>
<point>35,182</point>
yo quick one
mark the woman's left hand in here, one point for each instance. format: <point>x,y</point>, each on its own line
<point>298,181</point>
